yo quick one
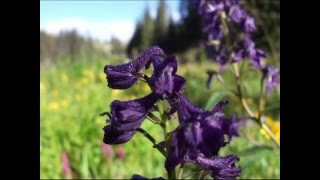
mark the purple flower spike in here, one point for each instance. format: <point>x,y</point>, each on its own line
<point>126,117</point>
<point>272,78</point>
<point>125,75</point>
<point>164,81</point>
<point>221,167</point>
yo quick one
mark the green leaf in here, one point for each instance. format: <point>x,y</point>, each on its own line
<point>254,150</point>
<point>84,163</point>
<point>215,98</point>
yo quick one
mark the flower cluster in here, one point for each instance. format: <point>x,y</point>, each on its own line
<point>200,134</point>
<point>230,29</point>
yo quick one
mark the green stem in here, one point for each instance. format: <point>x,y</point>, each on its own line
<point>180,171</point>
<point>225,85</point>
<point>247,108</point>
<point>154,142</point>
<point>154,118</point>
<point>239,91</point>
<point>164,118</point>
<point>203,174</point>
<point>260,98</point>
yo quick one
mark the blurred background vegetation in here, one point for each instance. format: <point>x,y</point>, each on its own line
<point>73,92</point>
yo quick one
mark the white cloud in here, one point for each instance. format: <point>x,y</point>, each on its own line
<point>101,30</point>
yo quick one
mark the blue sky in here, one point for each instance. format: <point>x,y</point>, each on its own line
<point>98,19</point>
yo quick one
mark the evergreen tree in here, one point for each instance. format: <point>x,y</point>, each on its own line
<point>135,41</point>
<point>147,30</point>
<point>192,24</point>
<point>161,23</point>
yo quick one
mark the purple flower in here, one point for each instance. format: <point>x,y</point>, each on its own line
<point>237,14</point>
<point>222,60</point>
<point>242,22</point>
<point>126,117</point>
<point>240,54</point>
<point>231,127</point>
<point>220,167</point>
<point>164,81</point>
<point>249,25</point>
<point>272,78</point>
<point>247,48</point>
<point>125,75</point>
<point>200,132</point>
<point>112,136</point>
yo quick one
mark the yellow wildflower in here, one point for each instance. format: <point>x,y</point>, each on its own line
<point>64,78</point>
<point>88,73</point>
<point>102,76</point>
<point>65,103</point>
<point>53,106</point>
<point>55,93</point>
<point>78,97</point>
<point>274,128</point>
<point>42,87</point>
<point>84,81</point>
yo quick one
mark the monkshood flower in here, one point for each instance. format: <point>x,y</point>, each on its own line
<point>220,167</point>
<point>164,81</point>
<point>214,12</point>
<point>125,75</point>
<point>126,117</point>
<point>272,78</point>
<point>201,132</point>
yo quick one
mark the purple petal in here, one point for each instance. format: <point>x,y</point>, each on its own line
<point>272,78</point>
<point>112,136</point>
<point>221,167</point>
<point>218,106</point>
<point>192,134</point>
<point>164,81</point>
<point>249,24</point>
<point>237,14</point>
<point>125,75</point>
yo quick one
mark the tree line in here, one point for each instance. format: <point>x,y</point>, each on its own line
<point>176,37</point>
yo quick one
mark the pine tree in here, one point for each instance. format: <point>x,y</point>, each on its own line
<point>147,30</point>
<point>161,23</point>
<point>135,41</point>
